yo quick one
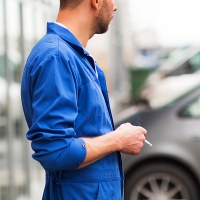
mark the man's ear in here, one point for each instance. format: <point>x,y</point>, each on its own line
<point>95,3</point>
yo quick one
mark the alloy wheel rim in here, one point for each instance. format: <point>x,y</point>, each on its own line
<point>160,186</point>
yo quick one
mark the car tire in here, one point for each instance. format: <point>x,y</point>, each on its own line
<point>160,181</point>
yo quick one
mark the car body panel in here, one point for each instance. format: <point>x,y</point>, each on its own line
<point>174,138</point>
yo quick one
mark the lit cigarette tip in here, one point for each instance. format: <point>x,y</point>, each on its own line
<point>148,143</point>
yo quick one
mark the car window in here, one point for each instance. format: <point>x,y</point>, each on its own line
<point>192,109</point>
<point>194,62</point>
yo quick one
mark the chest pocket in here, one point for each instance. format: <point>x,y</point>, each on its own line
<point>93,117</point>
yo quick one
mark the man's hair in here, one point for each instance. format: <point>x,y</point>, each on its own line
<point>69,3</point>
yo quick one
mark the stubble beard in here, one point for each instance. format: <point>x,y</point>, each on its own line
<point>101,22</point>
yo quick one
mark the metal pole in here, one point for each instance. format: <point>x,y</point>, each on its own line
<point>23,128</point>
<point>9,125</point>
<point>116,60</point>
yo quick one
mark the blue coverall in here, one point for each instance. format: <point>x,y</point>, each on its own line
<point>63,99</point>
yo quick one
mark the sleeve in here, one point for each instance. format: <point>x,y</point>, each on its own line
<point>54,106</point>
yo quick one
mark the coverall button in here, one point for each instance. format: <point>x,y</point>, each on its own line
<point>84,145</point>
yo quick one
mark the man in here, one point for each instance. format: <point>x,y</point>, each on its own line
<point>67,110</point>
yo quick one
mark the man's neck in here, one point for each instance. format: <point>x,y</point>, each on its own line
<point>77,24</point>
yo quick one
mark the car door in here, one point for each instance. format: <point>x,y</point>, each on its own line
<point>188,120</point>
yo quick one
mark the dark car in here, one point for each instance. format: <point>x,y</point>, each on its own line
<point>170,169</point>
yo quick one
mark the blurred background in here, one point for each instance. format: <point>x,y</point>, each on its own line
<point>147,41</point>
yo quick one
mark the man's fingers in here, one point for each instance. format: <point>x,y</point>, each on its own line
<point>144,131</point>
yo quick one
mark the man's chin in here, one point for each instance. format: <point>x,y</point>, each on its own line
<point>102,31</point>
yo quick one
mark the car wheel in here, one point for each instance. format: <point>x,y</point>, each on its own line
<point>160,181</point>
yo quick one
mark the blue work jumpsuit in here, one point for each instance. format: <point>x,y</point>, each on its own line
<point>64,99</point>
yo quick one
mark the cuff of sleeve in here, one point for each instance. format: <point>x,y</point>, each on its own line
<point>76,153</point>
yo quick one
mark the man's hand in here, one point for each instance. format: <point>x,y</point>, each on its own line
<point>131,138</point>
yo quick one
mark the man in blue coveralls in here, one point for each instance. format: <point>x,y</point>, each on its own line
<point>67,110</point>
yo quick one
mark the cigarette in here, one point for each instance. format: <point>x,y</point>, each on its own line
<point>148,143</point>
